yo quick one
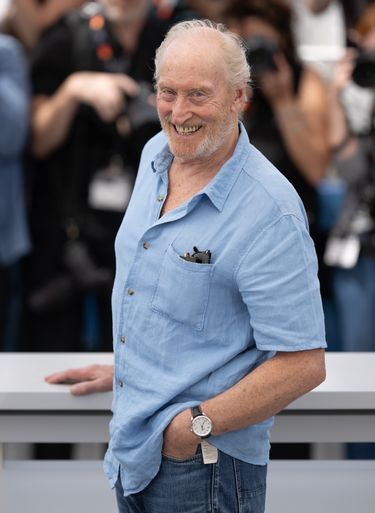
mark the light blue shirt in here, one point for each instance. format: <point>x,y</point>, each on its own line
<point>14,124</point>
<point>183,331</point>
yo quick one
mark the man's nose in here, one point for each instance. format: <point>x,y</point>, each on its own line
<point>180,111</point>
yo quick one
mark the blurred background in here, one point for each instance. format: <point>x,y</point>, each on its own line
<point>76,108</point>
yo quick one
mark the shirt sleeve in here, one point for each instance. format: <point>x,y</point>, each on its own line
<point>277,279</point>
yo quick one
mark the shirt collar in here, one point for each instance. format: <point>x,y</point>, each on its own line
<point>218,189</point>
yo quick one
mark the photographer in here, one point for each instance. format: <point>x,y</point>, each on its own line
<point>27,19</point>
<point>351,247</point>
<point>286,117</point>
<point>92,81</point>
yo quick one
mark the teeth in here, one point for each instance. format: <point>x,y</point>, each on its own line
<point>186,129</point>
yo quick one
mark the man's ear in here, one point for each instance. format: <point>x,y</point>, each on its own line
<point>239,100</point>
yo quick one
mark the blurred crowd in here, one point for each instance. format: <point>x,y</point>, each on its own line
<point>77,106</point>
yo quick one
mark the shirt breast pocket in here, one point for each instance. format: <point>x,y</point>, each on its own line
<point>182,290</point>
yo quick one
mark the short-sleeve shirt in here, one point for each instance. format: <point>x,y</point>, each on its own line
<point>184,331</point>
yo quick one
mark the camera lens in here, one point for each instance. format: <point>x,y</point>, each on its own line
<point>260,52</point>
<point>364,70</point>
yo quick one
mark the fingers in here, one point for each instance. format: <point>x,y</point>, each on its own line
<point>85,380</point>
<point>127,84</point>
<point>91,387</point>
<point>67,376</point>
<point>85,388</point>
<point>111,102</point>
<point>73,375</point>
<point>110,108</point>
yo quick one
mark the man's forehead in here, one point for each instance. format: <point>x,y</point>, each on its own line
<point>200,44</point>
<point>187,57</point>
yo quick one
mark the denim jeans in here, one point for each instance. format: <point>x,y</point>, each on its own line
<point>355,297</point>
<point>189,486</point>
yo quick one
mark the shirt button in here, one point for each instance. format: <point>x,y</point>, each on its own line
<point>131,292</point>
<point>146,245</point>
<point>122,339</point>
<point>121,383</point>
<point>160,198</point>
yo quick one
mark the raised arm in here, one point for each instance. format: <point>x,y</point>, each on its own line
<point>342,142</point>
<point>30,17</point>
<point>302,117</point>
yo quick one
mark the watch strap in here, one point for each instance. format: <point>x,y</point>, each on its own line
<point>195,411</point>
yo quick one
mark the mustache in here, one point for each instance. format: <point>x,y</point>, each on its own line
<point>168,119</point>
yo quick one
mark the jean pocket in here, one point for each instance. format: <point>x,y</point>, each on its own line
<point>182,290</point>
<point>251,486</point>
<point>195,458</point>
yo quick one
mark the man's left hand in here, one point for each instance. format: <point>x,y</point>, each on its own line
<point>179,441</point>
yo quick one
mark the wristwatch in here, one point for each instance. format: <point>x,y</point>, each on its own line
<point>201,425</point>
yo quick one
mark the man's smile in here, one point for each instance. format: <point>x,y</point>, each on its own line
<point>187,130</point>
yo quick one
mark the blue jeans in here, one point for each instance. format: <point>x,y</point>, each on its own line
<point>189,486</point>
<point>355,298</point>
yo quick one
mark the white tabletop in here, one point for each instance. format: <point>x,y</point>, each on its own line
<point>350,383</point>
<point>22,385</point>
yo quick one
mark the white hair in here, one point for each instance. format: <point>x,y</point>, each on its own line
<point>232,46</point>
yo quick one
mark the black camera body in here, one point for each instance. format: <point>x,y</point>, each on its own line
<point>260,52</point>
<point>139,110</point>
<point>364,69</point>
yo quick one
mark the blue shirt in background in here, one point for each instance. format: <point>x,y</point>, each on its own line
<point>185,332</point>
<point>14,122</point>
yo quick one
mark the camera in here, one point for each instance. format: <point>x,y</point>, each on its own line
<point>260,53</point>
<point>81,273</point>
<point>364,69</point>
<point>139,110</point>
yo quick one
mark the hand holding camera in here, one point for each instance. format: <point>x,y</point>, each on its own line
<point>277,85</point>
<point>104,92</point>
<point>270,69</point>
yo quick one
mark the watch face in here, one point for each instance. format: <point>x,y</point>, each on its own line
<point>201,425</point>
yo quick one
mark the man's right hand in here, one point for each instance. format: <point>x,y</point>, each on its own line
<point>87,380</point>
<point>104,92</point>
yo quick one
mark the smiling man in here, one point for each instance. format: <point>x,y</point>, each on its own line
<point>216,295</point>
<point>217,318</point>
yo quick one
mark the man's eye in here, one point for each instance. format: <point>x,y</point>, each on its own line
<point>166,94</point>
<point>199,94</point>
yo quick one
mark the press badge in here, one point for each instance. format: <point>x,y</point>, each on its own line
<point>209,452</point>
<point>110,188</point>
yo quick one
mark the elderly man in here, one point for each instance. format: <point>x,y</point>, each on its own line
<point>216,310</point>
